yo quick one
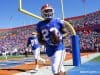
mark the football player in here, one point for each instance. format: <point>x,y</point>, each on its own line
<point>50,32</point>
<point>35,49</point>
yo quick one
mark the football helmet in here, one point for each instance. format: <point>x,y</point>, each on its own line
<point>47,11</point>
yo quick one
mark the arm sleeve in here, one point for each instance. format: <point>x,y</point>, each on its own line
<point>62,26</point>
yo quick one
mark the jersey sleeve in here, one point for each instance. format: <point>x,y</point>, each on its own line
<point>61,24</point>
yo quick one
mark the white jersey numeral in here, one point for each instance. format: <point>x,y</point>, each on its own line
<point>45,33</point>
<point>34,42</point>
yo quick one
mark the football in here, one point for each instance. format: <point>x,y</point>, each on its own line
<point>54,37</point>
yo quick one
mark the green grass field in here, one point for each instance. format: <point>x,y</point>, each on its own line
<point>97,59</point>
<point>14,57</point>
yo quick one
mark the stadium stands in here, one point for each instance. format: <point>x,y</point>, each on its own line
<point>87,27</point>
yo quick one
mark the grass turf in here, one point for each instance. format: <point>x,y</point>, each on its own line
<point>96,59</point>
<point>12,57</point>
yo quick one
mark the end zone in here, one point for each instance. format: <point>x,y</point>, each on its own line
<point>68,66</point>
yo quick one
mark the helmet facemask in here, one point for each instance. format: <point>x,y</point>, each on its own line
<point>47,12</point>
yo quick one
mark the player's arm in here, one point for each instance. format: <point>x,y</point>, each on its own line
<point>64,31</point>
<point>40,38</point>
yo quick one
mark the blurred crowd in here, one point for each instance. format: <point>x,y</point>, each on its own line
<point>14,40</point>
<point>88,28</point>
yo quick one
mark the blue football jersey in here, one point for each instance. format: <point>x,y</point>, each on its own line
<point>46,30</point>
<point>33,42</point>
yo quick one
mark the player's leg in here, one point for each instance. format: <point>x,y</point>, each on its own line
<point>41,59</point>
<point>36,58</point>
<point>57,63</point>
<point>38,54</point>
<point>4,55</point>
